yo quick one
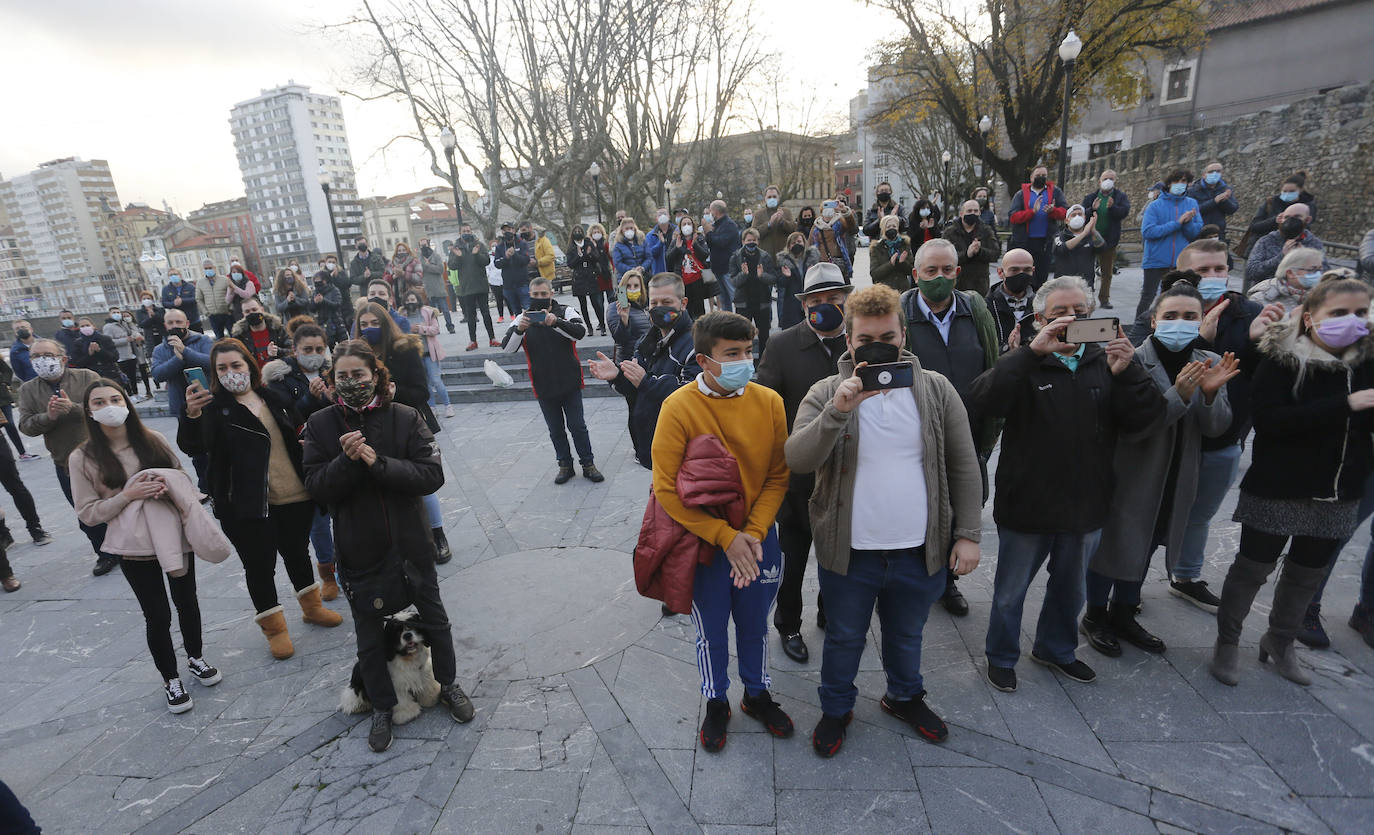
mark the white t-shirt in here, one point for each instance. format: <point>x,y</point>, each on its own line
<point>889,503</point>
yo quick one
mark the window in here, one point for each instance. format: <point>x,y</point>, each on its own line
<point>880,160</point>
<point>1178,82</point>
<point>1102,149</point>
<point>394,226</point>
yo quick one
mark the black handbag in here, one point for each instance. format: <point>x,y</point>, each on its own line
<point>383,590</point>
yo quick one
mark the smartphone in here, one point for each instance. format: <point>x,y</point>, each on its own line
<point>197,375</point>
<point>622,297</point>
<point>888,375</point>
<point>1091,330</point>
<point>829,204</point>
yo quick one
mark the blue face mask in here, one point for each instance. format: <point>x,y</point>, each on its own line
<point>372,335</point>
<point>176,279</point>
<point>1309,280</point>
<point>1288,196</point>
<point>1211,288</point>
<point>772,202</point>
<point>1178,189</point>
<point>1212,177</point>
<point>1176,334</point>
<point>735,375</point>
<point>209,273</point>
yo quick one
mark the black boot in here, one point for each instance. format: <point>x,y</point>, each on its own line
<point>1128,629</point>
<point>441,544</point>
<point>953,599</point>
<point>565,473</point>
<point>1243,582</point>
<point>1096,628</point>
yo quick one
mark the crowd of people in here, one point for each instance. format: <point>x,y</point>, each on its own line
<point>860,429</point>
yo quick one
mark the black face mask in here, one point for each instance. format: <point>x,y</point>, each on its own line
<point>1038,182</point>
<point>806,221</point>
<point>412,306</point>
<point>877,353</point>
<point>798,250</point>
<point>529,236</point>
<point>1018,283</point>
<point>23,333</point>
<point>970,220</point>
<point>362,248</point>
<point>890,234</point>
<point>884,197</point>
<point>1292,227</point>
<point>426,251</point>
<point>179,333</point>
<point>541,304</point>
<point>254,319</point>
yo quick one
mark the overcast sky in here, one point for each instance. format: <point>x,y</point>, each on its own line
<point>147,84</point>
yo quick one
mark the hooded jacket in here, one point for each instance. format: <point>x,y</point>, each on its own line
<point>1308,442</point>
<point>667,554</point>
<point>1165,235</point>
<point>276,335</point>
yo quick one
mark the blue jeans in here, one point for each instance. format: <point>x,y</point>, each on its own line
<point>563,415</point>
<point>1366,597</point>
<point>442,304</point>
<point>1214,477</point>
<point>1019,557</point>
<point>438,392</point>
<point>725,292</point>
<point>436,514</point>
<point>715,600</point>
<point>517,298</point>
<point>322,538</point>
<point>902,588</point>
<point>220,323</point>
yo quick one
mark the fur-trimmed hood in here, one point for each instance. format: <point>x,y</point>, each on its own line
<point>1285,345</point>
<point>275,370</point>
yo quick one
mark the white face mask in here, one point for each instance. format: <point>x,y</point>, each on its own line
<point>1108,185</point>
<point>1076,222</point>
<point>629,234</point>
<point>827,213</point>
<point>687,229</point>
<point>236,382</point>
<point>662,220</point>
<point>49,368</point>
<point>111,415</point>
<point>596,236</point>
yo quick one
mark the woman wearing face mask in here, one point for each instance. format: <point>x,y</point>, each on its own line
<point>1313,399</point>
<point>826,238</point>
<point>150,321</point>
<point>1167,225</point>
<point>584,259</point>
<point>889,256</point>
<point>254,475</point>
<point>753,273</point>
<point>404,271</point>
<point>629,251</point>
<point>1076,245</point>
<point>1298,272</point>
<point>690,257</point>
<point>325,303</point>
<point>291,296</point>
<point>924,222</point>
<point>629,321</point>
<point>656,243</point>
<point>1291,190</point>
<point>806,219</point>
<point>127,477</point>
<point>1157,470</point>
<point>239,289</point>
<point>371,461</point>
<point>793,262</point>
<point>424,323</point>
<point>94,350</point>
<point>120,328</point>
<point>262,332</point>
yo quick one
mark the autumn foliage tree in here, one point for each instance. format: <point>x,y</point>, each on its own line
<point>1001,58</point>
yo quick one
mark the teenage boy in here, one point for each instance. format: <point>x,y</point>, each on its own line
<point>742,578</point>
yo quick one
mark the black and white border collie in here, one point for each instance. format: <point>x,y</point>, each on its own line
<point>407,661</point>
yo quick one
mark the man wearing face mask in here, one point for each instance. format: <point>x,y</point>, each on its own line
<point>182,349</point>
<point>68,333</point>
<point>434,275</point>
<point>883,206</point>
<point>664,359</point>
<point>366,265</point>
<point>181,294</point>
<point>210,299</point>
<point>954,334</point>
<point>1009,300</point>
<point>1077,244</point>
<point>1215,199</point>
<point>656,242</point>
<point>262,332</point>
<point>753,273</point>
<point>723,239</point>
<point>326,301</point>
<point>513,257</point>
<point>1109,206</point>
<point>1034,209</point>
<point>50,406</point>
<point>897,505</point>
<point>19,351</point>
<point>1167,225</point>
<point>796,359</point>
<point>1291,233</point>
<point>978,247</point>
<point>774,222</point>
<point>379,291</point>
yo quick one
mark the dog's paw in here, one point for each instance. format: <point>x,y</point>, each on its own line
<point>404,712</point>
<point>429,696</point>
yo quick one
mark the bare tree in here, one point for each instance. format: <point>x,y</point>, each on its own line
<point>917,143</point>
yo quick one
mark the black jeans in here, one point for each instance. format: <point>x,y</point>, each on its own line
<point>1040,252</point>
<point>12,428</point>
<point>95,533</point>
<point>145,578</point>
<point>433,619</point>
<point>285,531</point>
<point>794,539</point>
<point>472,305</point>
<point>499,293</point>
<point>23,499</point>
<point>559,411</point>
<point>1306,551</point>
<point>598,302</point>
<point>763,320</point>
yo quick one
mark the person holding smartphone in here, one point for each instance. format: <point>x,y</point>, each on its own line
<point>181,351</point>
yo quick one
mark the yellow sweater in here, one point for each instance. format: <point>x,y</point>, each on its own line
<point>753,426</point>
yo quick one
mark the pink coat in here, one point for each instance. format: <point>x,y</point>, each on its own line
<point>428,327</point>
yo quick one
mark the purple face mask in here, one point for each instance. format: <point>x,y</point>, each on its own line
<point>1342,331</point>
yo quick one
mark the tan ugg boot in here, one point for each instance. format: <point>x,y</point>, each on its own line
<point>273,625</point>
<point>313,609</point>
<point>329,587</point>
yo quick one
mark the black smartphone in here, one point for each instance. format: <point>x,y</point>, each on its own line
<point>888,375</point>
<point>1090,330</point>
<point>197,375</point>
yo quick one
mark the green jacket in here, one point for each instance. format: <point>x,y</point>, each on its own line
<point>468,272</point>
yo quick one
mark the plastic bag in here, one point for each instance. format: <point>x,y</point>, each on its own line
<point>497,374</point>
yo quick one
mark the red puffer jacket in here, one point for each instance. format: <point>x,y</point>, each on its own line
<point>667,555</point>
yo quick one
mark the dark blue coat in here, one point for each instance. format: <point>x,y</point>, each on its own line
<point>187,291</point>
<point>514,262</point>
<point>1212,210</point>
<point>666,368</point>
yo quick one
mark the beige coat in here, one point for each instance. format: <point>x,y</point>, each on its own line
<point>826,441</point>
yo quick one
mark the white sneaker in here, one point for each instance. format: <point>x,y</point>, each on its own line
<point>178,700</point>
<point>449,411</point>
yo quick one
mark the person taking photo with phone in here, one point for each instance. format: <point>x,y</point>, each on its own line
<point>181,351</point>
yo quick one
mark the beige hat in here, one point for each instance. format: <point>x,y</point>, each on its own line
<point>823,277</point>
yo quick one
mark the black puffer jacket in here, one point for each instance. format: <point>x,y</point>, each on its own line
<point>1233,335</point>
<point>1308,443</point>
<point>378,506</point>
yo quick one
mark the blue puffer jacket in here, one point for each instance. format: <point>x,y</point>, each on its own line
<point>628,255</point>
<point>1164,236</point>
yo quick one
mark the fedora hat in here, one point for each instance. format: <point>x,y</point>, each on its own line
<point>822,277</point>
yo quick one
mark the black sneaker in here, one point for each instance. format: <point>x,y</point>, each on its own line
<point>204,673</point>
<point>178,700</point>
<point>1361,620</point>
<point>1075,669</point>
<point>770,713</point>
<point>459,705</point>
<point>916,713</point>
<point>828,736</point>
<point>592,474</point>
<point>441,546</point>
<point>1002,678</point>
<point>954,601</point>
<point>565,474</point>
<point>1128,629</point>
<point>379,738</point>
<point>713,726</point>
<point>40,536</point>
<point>1196,593</point>
<point>1311,632</point>
<point>104,564</point>
<point>1098,631</point>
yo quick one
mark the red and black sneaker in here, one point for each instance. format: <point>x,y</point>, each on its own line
<point>713,726</point>
<point>770,713</point>
<point>916,713</point>
<point>829,734</point>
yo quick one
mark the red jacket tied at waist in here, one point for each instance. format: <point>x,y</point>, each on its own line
<point>667,555</point>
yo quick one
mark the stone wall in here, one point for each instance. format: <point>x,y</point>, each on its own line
<point>1330,136</point>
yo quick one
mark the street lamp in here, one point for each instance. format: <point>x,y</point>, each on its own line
<point>944,196</point>
<point>984,125</point>
<point>595,171</point>
<point>329,204</point>
<point>450,141</point>
<point>668,190</point>
<point>1068,53</point>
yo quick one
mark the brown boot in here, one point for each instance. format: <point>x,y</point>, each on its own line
<point>273,625</point>
<point>313,610</point>
<point>329,587</point>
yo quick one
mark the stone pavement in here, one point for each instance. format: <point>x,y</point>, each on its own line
<point>588,702</point>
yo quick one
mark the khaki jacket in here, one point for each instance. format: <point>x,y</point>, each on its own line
<point>63,435</point>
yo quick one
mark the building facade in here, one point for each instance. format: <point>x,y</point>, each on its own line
<point>286,140</point>
<point>232,218</point>
<point>121,237</point>
<point>19,295</point>
<point>156,246</point>
<point>190,254</point>
<point>409,218</point>
<point>56,212</point>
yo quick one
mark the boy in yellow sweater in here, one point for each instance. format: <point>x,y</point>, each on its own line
<point>743,577</point>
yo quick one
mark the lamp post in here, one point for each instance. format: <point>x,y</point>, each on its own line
<point>450,144</point>
<point>668,190</point>
<point>944,189</point>
<point>329,204</point>
<point>1068,53</point>
<point>984,125</point>
<point>595,171</point>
